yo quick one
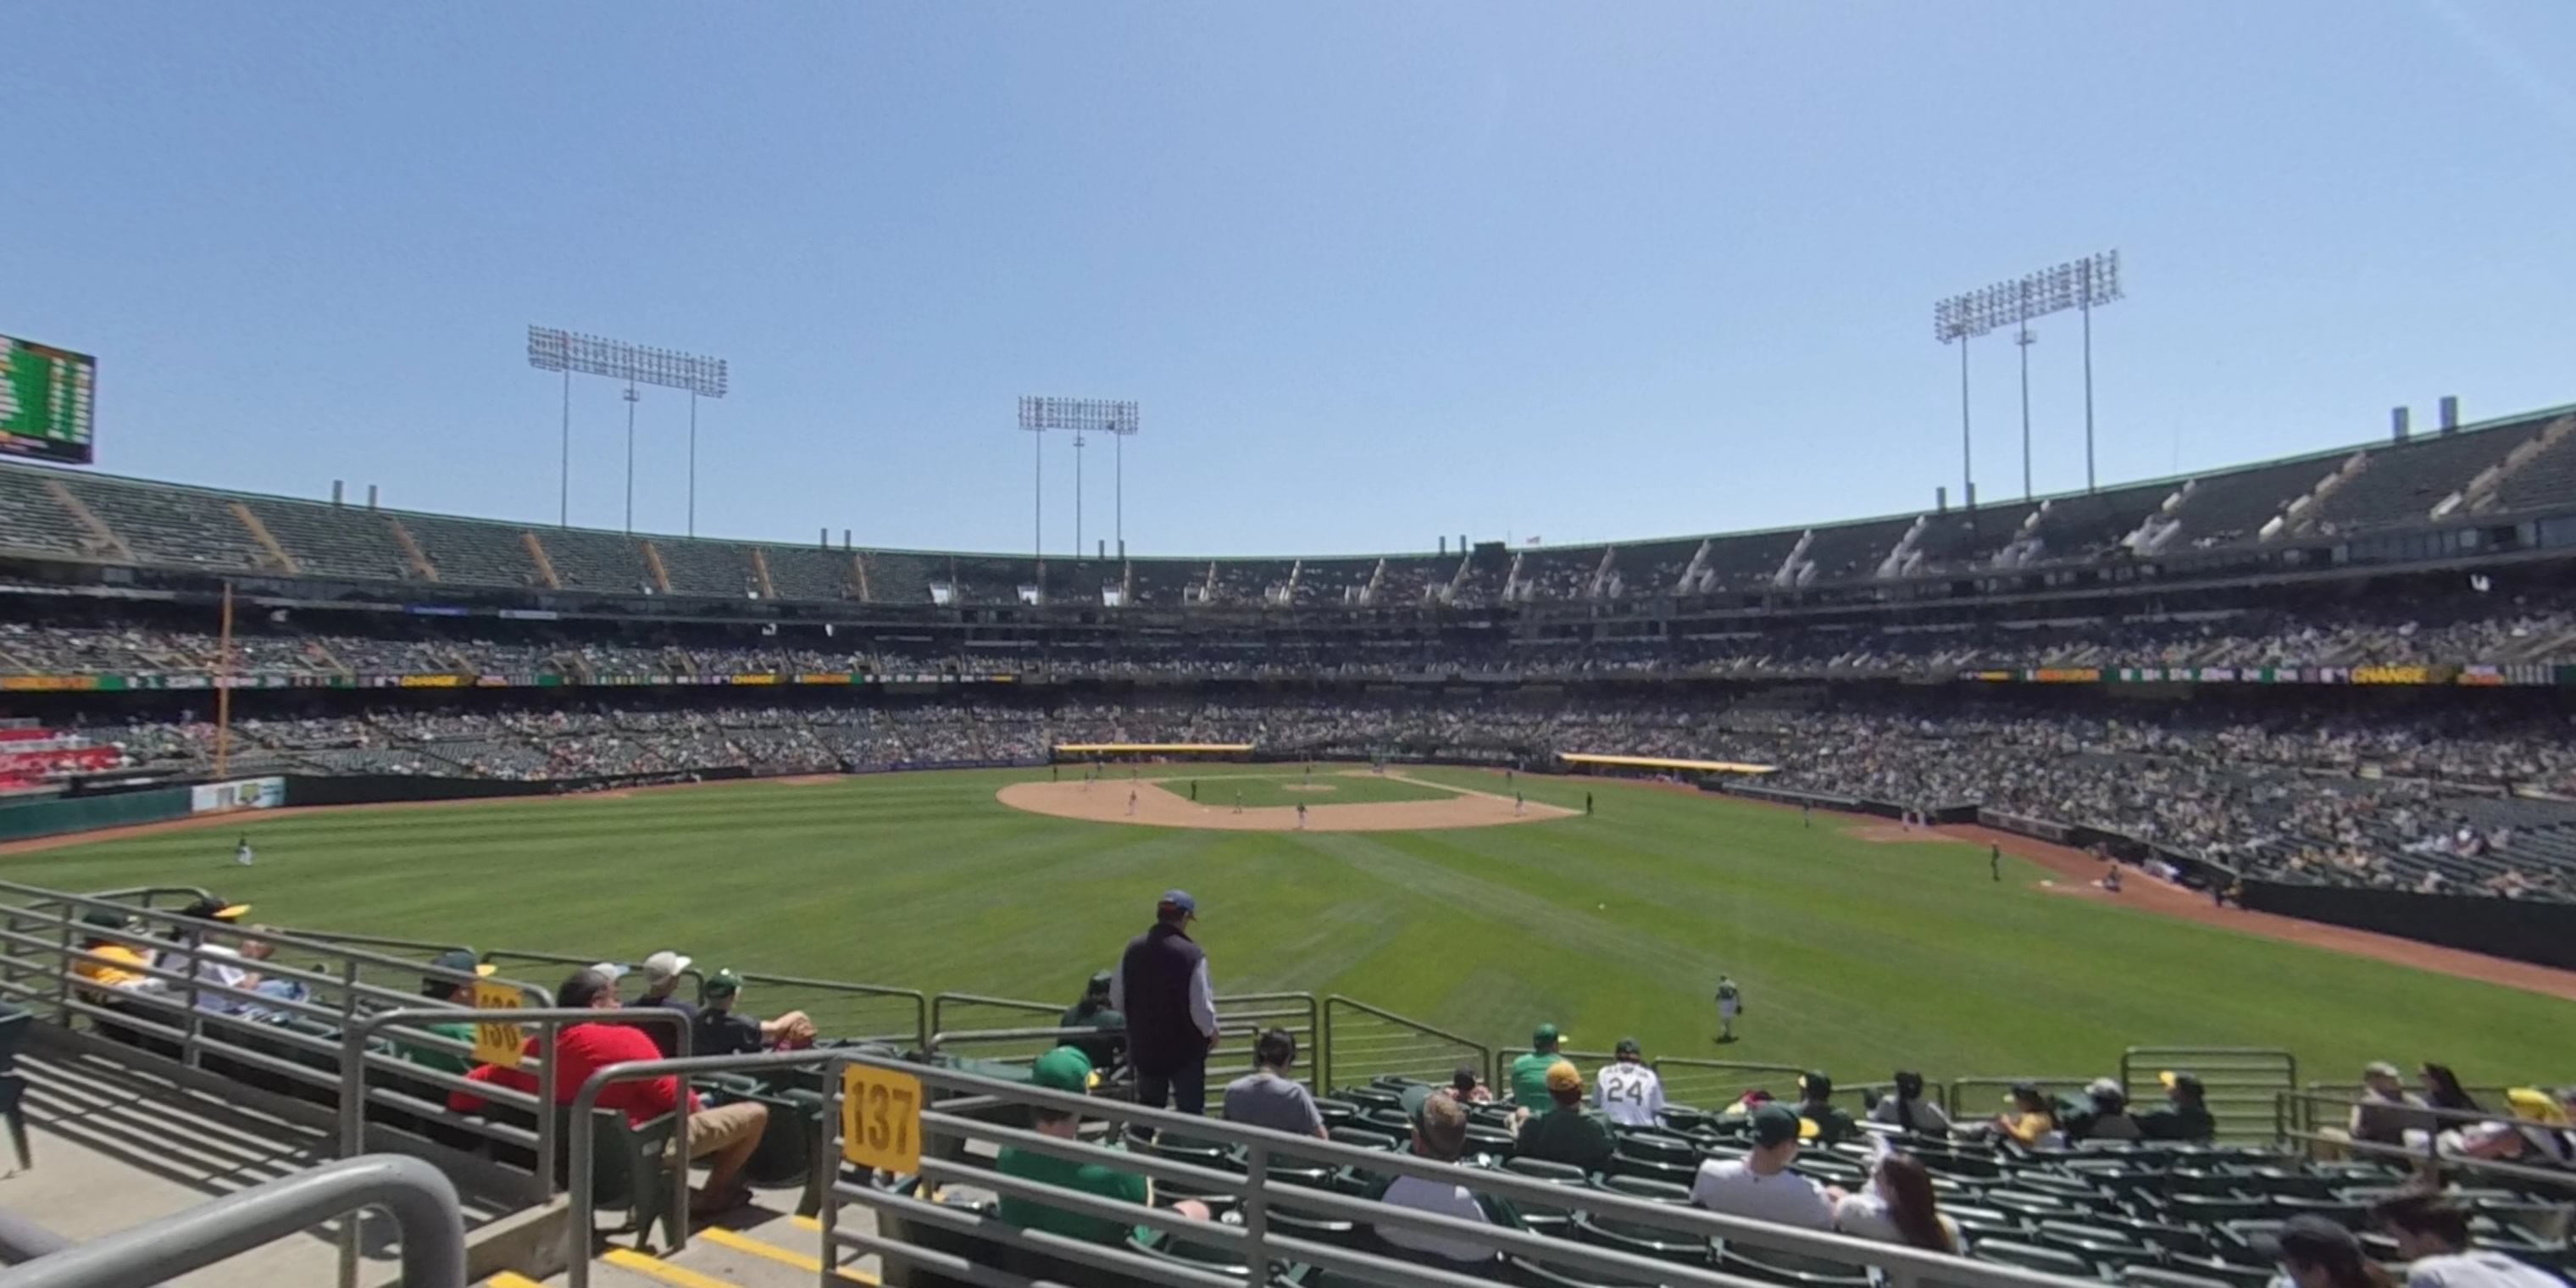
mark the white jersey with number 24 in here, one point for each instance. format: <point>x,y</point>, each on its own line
<point>1630,1094</point>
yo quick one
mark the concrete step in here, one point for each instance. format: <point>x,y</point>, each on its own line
<point>769,1252</point>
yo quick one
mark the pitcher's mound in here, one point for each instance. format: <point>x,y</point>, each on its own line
<point>1155,807</point>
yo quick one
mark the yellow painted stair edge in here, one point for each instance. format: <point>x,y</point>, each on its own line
<point>784,1256</point>
<point>656,1268</point>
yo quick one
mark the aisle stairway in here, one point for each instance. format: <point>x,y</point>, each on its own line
<point>769,1251</point>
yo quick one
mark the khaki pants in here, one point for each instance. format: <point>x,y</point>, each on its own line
<point>712,1131</point>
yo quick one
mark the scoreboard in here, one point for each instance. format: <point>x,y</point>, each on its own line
<point>45,399</point>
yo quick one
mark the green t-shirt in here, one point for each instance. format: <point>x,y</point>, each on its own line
<point>1566,1135</point>
<point>440,1058</point>
<point>1529,1080</point>
<point>1088,1178</point>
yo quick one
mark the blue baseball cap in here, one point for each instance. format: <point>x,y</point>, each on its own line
<point>1178,901</point>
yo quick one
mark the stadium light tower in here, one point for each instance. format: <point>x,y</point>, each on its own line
<point>2083,284</point>
<point>570,352</point>
<point>1115,417</point>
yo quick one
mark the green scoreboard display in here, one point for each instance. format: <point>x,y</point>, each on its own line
<point>45,399</point>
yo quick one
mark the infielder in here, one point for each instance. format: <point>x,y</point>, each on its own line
<point>1629,1093</point>
<point>1516,804</point>
<point>1730,1003</point>
<point>1131,802</point>
<point>1301,816</point>
<point>1238,800</point>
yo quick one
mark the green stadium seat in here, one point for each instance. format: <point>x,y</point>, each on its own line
<point>2026,1206</point>
<point>2155,1277</point>
<point>785,1155</point>
<point>1798,1270</point>
<point>1544,1218</point>
<point>2234,1274</point>
<point>1338,1231</point>
<point>1653,1191</point>
<point>1368,1098</point>
<point>1661,1147</point>
<point>1362,1138</point>
<point>1640,1240</point>
<point>1530,1274</point>
<point>1337,1113</point>
<point>2032,1256</point>
<point>1394,1121</point>
<point>627,1171</point>
<point>1220,1257</point>
<point>2101,1244</point>
<point>2332,1209</point>
<point>1652,1169</point>
<point>2218,1209</point>
<point>2171,1238</point>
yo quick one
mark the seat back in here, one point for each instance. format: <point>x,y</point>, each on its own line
<point>2032,1256</point>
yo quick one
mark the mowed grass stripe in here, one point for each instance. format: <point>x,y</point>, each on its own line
<point>1856,956</point>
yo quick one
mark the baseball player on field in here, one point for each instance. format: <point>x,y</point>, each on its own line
<point>1730,1003</point>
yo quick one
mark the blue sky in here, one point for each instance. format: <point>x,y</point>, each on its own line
<point>1377,271</point>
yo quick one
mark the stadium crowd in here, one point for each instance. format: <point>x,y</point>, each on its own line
<point>2345,794</point>
<point>2540,628</point>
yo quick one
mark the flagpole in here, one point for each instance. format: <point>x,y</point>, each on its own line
<point>224,688</point>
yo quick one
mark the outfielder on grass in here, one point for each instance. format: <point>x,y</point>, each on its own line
<point>1730,1003</point>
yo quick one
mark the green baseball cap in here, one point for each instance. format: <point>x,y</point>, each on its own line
<point>1412,1099</point>
<point>1774,1124</point>
<point>1062,1069</point>
<point>1545,1036</point>
<point>723,983</point>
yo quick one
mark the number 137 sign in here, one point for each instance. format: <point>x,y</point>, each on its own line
<point>881,1119</point>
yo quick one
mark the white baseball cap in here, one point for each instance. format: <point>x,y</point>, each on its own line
<point>664,965</point>
<point>611,971</point>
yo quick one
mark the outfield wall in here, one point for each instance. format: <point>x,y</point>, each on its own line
<point>91,813</point>
<point>2538,932</point>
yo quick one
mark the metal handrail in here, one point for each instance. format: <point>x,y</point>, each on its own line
<point>2551,1178</point>
<point>1333,1046</point>
<point>939,1006</point>
<point>550,1020</point>
<point>577,1271</point>
<point>1259,1244</point>
<point>22,1240</point>
<point>422,1201</point>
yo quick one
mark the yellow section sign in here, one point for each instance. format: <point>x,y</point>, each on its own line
<point>498,1041</point>
<point>881,1119</point>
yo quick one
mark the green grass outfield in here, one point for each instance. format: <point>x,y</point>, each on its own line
<point>1856,957</point>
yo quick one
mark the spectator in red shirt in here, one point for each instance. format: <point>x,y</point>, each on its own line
<point>725,1135</point>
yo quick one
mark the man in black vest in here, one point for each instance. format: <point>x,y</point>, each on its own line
<point>1162,987</point>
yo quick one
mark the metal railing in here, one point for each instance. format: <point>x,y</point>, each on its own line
<point>1715,1084</point>
<point>22,1240</point>
<point>585,1131</point>
<point>2300,1108</point>
<point>1362,1042</point>
<point>1968,1109</point>
<point>422,1201</point>
<point>849,1012</point>
<point>1240,1022</point>
<point>1273,1220</point>
<point>356,1058</point>
<point>946,1008</point>
<point>193,1017</point>
<point>2242,1086</point>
